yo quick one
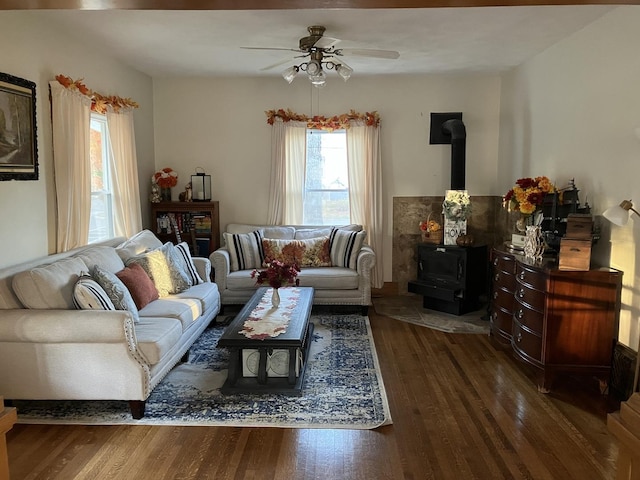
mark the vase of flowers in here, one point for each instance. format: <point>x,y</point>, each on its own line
<point>527,197</point>
<point>456,208</point>
<point>276,274</point>
<point>166,179</point>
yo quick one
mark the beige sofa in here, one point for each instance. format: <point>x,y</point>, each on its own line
<point>51,351</point>
<point>333,285</point>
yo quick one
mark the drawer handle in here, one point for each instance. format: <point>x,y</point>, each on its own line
<point>521,293</point>
<point>519,337</point>
<point>574,249</point>
<point>521,275</point>
<point>495,295</point>
<point>496,277</point>
<point>520,314</point>
<point>496,261</point>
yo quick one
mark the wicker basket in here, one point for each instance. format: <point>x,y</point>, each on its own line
<point>432,237</point>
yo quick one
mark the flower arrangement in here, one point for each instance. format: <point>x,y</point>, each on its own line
<point>276,274</point>
<point>528,194</point>
<point>456,205</point>
<point>165,178</point>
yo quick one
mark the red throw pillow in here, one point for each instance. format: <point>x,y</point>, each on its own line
<point>139,285</point>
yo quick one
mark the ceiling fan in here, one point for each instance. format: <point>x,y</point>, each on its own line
<point>321,53</point>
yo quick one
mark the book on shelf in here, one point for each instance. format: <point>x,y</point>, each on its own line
<point>202,223</point>
<point>203,247</point>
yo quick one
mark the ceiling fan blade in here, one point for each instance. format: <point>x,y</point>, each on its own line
<point>272,48</point>
<point>368,52</point>
<point>281,62</point>
<point>326,42</point>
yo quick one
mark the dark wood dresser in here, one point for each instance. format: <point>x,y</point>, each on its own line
<point>557,321</point>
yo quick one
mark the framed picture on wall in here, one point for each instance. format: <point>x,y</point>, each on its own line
<point>18,139</point>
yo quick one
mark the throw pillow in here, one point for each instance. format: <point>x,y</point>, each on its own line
<point>315,252</point>
<point>345,246</point>
<point>187,263</point>
<point>163,268</point>
<point>140,286</point>
<point>89,295</point>
<point>116,290</point>
<point>285,251</point>
<point>245,250</point>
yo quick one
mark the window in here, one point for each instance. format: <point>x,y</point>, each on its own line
<point>326,195</point>
<point>101,223</point>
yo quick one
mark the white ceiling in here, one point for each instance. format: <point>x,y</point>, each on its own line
<point>431,40</point>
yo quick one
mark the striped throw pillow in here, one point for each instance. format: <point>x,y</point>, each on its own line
<point>245,250</point>
<point>89,295</point>
<point>345,247</point>
<point>187,263</point>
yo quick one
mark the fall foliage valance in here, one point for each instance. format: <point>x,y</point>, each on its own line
<point>337,122</point>
<point>99,103</point>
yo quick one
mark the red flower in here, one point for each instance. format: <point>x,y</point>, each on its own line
<point>276,274</point>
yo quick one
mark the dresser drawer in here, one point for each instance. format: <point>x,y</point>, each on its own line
<point>501,320</point>
<point>530,297</point>
<point>531,277</point>
<point>504,263</point>
<point>503,299</point>
<point>526,343</point>
<point>528,317</point>
<point>504,280</point>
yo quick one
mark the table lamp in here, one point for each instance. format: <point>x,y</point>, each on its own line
<point>619,214</point>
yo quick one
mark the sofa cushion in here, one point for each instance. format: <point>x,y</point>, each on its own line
<point>157,336</point>
<point>345,247</point>
<point>163,267</point>
<point>182,249</point>
<point>245,250</point>
<point>206,293</point>
<point>141,242</point>
<point>313,252</point>
<point>49,286</point>
<point>304,233</point>
<point>117,291</point>
<point>106,257</point>
<point>140,286</point>
<point>276,231</point>
<point>89,295</point>
<point>334,278</point>
<point>187,310</point>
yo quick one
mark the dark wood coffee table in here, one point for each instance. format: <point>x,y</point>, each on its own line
<point>272,364</point>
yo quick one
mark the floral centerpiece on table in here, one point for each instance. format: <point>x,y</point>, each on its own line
<point>276,274</point>
<point>456,205</point>
<point>430,226</point>
<point>165,178</point>
<point>527,196</point>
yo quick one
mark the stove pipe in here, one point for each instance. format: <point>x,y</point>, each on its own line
<point>455,128</point>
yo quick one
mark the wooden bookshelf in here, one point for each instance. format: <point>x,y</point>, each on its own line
<point>198,224</point>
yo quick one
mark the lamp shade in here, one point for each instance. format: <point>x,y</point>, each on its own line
<point>619,214</point>
<point>201,187</point>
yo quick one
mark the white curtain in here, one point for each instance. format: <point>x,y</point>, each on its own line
<point>124,173</point>
<point>288,163</point>
<point>71,119</point>
<point>365,188</point>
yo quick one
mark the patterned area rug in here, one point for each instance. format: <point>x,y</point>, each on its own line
<point>342,388</point>
<point>408,308</point>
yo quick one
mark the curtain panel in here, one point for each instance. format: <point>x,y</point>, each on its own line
<point>71,120</point>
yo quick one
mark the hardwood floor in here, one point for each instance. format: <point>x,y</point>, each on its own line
<point>462,409</point>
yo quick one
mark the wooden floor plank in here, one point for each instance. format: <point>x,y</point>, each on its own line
<point>462,407</point>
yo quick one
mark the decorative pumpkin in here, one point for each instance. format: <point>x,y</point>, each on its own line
<point>464,240</point>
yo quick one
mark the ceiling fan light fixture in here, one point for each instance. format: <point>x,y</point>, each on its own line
<point>344,71</point>
<point>314,68</point>
<point>290,73</point>
<point>318,80</point>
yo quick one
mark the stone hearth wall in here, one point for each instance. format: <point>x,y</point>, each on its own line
<point>489,223</point>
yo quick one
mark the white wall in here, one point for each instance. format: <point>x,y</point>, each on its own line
<point>220,125</point>
<point>571,112</point>
<point>32,50</point>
